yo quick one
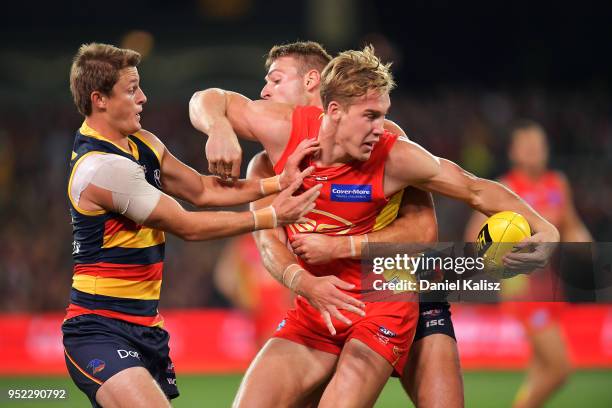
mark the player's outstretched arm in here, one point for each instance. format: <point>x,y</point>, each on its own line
<point>572,228</point>
<point>445,177</point>
<point>222,115</point>
<point>118,185</point>
<point>181,181</point>
<point>415,223</point>
<point>321,292</point>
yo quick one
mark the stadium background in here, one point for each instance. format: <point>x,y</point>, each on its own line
<point>464,74</point>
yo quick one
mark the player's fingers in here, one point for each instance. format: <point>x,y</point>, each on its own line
<point>307,172</point>
<point>227,170</point>
<point>328,322</point>
<point>311,194</point>
<point>349,300</point>
<point>352,309</point>
<point>307,209</point>
<point>340,283</point>
<point>212,167</point>
<point>336,314</point>
<point>526,244</point>
<point>235,168</point>
<point>294,186</point>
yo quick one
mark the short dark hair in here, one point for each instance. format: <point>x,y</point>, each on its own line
<point>96,67</point>
<point>311,55</point>
<point>526,124</point>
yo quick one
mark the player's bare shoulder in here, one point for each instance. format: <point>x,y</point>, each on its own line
<point>410,163</point>
<point>152,141</point>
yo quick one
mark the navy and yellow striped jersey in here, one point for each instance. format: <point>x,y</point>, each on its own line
<point>117,263</point>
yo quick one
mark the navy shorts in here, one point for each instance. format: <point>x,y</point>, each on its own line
<point>434,318</point>
<point>97,347</point>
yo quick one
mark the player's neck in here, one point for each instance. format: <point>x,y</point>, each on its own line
<point>531,173</point>
<point>331,153</point>
<point>102,126</point>
<point>315,100</point>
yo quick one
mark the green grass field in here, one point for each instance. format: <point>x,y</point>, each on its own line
<point>482,389</point>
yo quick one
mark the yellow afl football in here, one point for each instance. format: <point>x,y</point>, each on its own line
<point>497,237</point>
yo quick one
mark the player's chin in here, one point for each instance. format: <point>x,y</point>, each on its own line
<point>365,152</point>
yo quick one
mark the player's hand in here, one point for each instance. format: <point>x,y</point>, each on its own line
<point>317,249</point>
<point>224,156</point>
<point>292,168</point>
<point>531,253</point>
<point>323,294</point>
<point>291,209</point>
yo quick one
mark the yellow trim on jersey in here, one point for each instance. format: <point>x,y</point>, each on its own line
<point>143,238</point>
<point>72,156</point>
<point>389,213</point>
<point>76,207</point>
<point>149,145</point>
<point>87,131</point>
<point>121,288</point>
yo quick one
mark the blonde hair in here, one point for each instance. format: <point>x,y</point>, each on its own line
<point>352,74</point>
<point>96,67</point>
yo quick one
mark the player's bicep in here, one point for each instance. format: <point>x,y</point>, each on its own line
<point>408,164</point>
<point>264,121</point>
<point>180,180</point>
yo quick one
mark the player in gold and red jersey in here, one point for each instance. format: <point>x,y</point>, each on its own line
<point>293,76</point>
<point>121,179</point>
<point>355,148</point>
<point>549,193</point>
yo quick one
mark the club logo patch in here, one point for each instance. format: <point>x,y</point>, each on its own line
<point>96,365</point>
<point>355,193</point>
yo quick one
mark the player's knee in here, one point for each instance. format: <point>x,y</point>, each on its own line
<point>563,370</point>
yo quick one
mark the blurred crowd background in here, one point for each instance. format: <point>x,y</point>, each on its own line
<point>463,77</point>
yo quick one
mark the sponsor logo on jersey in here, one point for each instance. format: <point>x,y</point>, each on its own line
<point>128,353</point>
<point>359,193</point>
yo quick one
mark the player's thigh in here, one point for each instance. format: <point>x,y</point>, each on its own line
<point>131,388</point>
<point>433,376</point>
<point>360,376</point>
<point>284,373</point>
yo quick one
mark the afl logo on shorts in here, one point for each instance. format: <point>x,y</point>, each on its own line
<point>386,331</point>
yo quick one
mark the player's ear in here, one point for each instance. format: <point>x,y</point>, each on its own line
<point>334,110</point>
<point>312,79</point>
<point>98,100</point>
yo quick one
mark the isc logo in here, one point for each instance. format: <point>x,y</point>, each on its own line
<point>432,323</point>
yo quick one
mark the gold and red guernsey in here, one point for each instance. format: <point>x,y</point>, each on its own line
<point>546,195</point>
<point>352,200</point>
<point>117,264</point>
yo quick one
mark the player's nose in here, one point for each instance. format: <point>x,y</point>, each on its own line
<point>265,93</point>
<point>143,98</point>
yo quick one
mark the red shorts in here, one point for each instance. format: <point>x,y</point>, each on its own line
<point>535,316</point>
<point>388,328</point>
